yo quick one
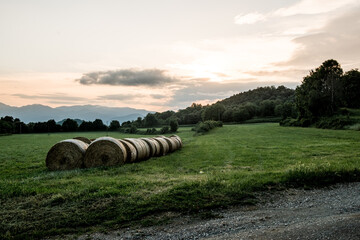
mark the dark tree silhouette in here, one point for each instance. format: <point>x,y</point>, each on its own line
<point>69,125</point>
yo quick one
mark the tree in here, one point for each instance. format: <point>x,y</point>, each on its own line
<point>241,114</point>
<point>151,120</point>
<point>126,124</point>
<point>174,125</point>
<point>351,89</point>
<point>114,125</point>
<point>86,126</point>
<point>138,122</point>
<point>267,108</point>
<point>213,112</point>
<point>69,125</point>
<point>228,115</point>
<point>319,93</point>
<point>52,126</point>
<point>99,125</point>
<point>40,127</point>
<point>5,126</point>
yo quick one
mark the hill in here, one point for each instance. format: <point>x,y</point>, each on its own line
<point>257,95</point>
<point>261,104</point>
<point>41,113</point>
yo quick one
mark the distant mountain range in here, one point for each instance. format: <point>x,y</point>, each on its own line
<point>42,113</point>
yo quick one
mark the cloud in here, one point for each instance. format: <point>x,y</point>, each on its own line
<point>127,77</point>
<point>119,97</point>
<point>143,98</point>
<point>313,7</point>
<point>57,97</point>
<point>249,18</point>
<point>282,73</point>
<point>339,40</point>
<point>158,96</point>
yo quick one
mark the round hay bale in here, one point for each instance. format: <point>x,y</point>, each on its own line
<point>92,139</point>
<point>151,145</point>
<point>145,147</point>
<point>67,154</point>
<point>130,151</point>
<point>139,146</point>
<point>84,139</point>
<point>178,138</point>
<point>178,145</point>
<point>172,144</point>
<point>105,151</point>
<point>164,146</point>
<point>157,147</point>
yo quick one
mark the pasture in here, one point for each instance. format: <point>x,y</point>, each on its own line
<point>218,169</point>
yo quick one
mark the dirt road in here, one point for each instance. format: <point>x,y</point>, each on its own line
<point>328,213</point>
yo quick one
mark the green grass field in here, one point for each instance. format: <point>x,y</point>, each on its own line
<point>219,169</point>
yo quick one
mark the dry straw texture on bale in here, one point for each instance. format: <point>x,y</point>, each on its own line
<point>146,148</point>
<point>130,151</point>
<point>140,149</point>
<point>177,143</point>
<point>105,151</point>
<point>84,139</point>
<point>151,145</point>
<point>178,139</point>
<point>164,146</point>
<point>172,144</point>
<point>67,154</point>
<point>157,147</point>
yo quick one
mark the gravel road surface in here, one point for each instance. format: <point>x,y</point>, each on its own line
<point>327,213</point>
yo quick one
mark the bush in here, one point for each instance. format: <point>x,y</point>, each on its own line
<point>206,126</point>
<point>289,122</point>
<point>150,131</point>
<point>355,127</point>
<point>334,123</point>
<point>174,125</point>
<point>164,130</point>
<point>304,122</point>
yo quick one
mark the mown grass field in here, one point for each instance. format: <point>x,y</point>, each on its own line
<point>221,168</point>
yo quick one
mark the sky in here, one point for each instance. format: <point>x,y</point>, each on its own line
<point>166,54</point>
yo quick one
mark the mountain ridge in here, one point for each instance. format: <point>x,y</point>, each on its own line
<point>42,113</point>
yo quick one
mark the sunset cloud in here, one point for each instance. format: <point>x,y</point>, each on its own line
<point>127,77</point>
<point>249,18</point>
<point>56,96</point>
<point>338,39</point>
<point>119,97</point>
<point>313,7</point>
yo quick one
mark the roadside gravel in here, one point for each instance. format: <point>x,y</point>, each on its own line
<point>327,213</point>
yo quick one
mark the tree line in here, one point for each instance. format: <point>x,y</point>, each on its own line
<point>9,125</point>
<point>260,102</point>
<point>326,92</point>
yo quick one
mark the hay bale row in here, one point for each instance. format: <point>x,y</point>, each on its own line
<point>107,151</point>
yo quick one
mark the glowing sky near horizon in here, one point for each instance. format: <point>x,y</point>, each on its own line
<point>166,54</point>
